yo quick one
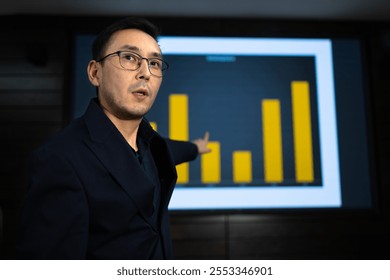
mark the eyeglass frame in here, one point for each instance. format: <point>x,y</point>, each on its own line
<point>118,53</point>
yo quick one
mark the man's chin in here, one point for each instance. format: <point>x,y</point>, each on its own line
<point>132,114</point>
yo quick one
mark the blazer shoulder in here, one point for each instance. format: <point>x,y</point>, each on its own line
<point>66,140</point>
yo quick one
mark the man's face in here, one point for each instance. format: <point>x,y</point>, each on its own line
<point>126,94</point>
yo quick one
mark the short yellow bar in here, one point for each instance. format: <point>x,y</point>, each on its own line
<point>272,141</point>
<point>211,164</point>
<point>242,166</point>
<point>178,129</point>
<point>303,147</point>
<point>153,125</point>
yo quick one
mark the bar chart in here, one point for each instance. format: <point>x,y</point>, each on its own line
<point>271,143</point>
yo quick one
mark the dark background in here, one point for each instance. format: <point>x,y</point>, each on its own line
<point>35,56</point>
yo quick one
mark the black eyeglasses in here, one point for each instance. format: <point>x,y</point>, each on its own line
<point>132,61</point>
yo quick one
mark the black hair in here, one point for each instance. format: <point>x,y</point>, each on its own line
<point>100,43</point>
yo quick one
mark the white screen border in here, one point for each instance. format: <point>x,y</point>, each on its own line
<point>219,198</point>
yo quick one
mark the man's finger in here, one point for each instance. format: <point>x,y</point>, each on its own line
<point>206,136</point>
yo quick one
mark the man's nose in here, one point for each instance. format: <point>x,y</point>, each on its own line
<point>144,72</point>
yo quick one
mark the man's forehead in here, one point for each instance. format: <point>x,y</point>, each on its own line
<point>136,49</point>
<point>135,38</point>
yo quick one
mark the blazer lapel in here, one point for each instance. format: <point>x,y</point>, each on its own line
<point>115,154</point>
<point>167,172</point>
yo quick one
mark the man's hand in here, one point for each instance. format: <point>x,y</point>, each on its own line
<point>201,143</point>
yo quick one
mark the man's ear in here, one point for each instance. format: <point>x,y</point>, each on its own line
<point>93,71</point>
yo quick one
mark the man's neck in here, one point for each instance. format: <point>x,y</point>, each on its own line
<point>128,128</point>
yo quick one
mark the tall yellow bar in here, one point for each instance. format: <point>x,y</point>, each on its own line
<point>211,164</point>
<point>303,147</point>
<point>242,167</point>
<point>178,129</point>
<point>272,141</point>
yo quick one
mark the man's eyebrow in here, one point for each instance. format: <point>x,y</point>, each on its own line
<point>138,50</point>
<point>130,48</point>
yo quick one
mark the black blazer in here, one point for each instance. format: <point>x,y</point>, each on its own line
<point>88,196</point>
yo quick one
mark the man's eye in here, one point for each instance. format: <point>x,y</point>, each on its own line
<point>129,57</point>
<point>155,63</point>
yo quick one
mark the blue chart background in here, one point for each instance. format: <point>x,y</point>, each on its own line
<point>225,94</point>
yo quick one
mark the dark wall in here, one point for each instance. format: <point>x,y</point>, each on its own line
<point>34,86</point>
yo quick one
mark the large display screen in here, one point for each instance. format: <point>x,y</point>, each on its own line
<point>287,119</point>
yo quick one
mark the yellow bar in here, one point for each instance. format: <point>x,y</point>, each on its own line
<point>153,125</point>
<point>178,129</point>
<point>242,166</point>
<point>272,141</point>
<point>211,164</point>
<point>303,147</point>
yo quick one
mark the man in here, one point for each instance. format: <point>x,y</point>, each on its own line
<point>101,188</point>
